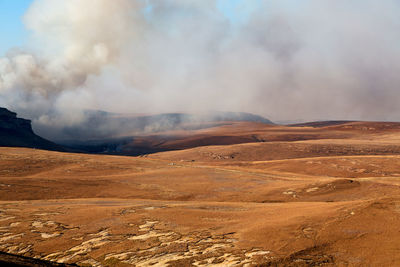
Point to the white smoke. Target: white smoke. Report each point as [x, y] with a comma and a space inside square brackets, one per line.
[286, 60]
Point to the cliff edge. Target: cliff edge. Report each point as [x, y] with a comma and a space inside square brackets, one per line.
[17, 132]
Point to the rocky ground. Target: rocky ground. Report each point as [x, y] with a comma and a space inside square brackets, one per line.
[316, 202]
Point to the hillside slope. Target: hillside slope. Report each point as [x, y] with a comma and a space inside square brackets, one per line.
[299, 196]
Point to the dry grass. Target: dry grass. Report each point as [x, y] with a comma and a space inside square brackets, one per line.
[330, 199]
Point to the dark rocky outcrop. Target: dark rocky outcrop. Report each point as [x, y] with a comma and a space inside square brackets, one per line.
[17, 132]
[12, 260]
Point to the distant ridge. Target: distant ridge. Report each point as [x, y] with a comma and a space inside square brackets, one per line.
[17, 132]
[318, 124]
[99, 124]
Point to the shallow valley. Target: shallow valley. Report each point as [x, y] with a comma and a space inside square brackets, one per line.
[259, 195]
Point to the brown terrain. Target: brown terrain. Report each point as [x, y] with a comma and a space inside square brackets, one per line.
[237, 194]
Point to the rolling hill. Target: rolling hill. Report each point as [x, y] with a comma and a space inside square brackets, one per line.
[296, 196]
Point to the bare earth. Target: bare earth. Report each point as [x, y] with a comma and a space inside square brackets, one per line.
[270, 196]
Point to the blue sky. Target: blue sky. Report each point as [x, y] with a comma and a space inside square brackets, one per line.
[14, 34]
[12, 30]
[237, 11]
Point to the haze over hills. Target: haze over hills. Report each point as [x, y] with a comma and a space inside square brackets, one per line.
[105, 132]
[105, 125]
[140, 135]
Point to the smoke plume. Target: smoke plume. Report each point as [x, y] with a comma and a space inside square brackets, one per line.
[285, 60]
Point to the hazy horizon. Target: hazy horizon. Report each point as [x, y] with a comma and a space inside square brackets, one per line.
[286, 61]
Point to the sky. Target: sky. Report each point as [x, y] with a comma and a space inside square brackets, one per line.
[12, 29]
[14, 34]
[282, 59]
